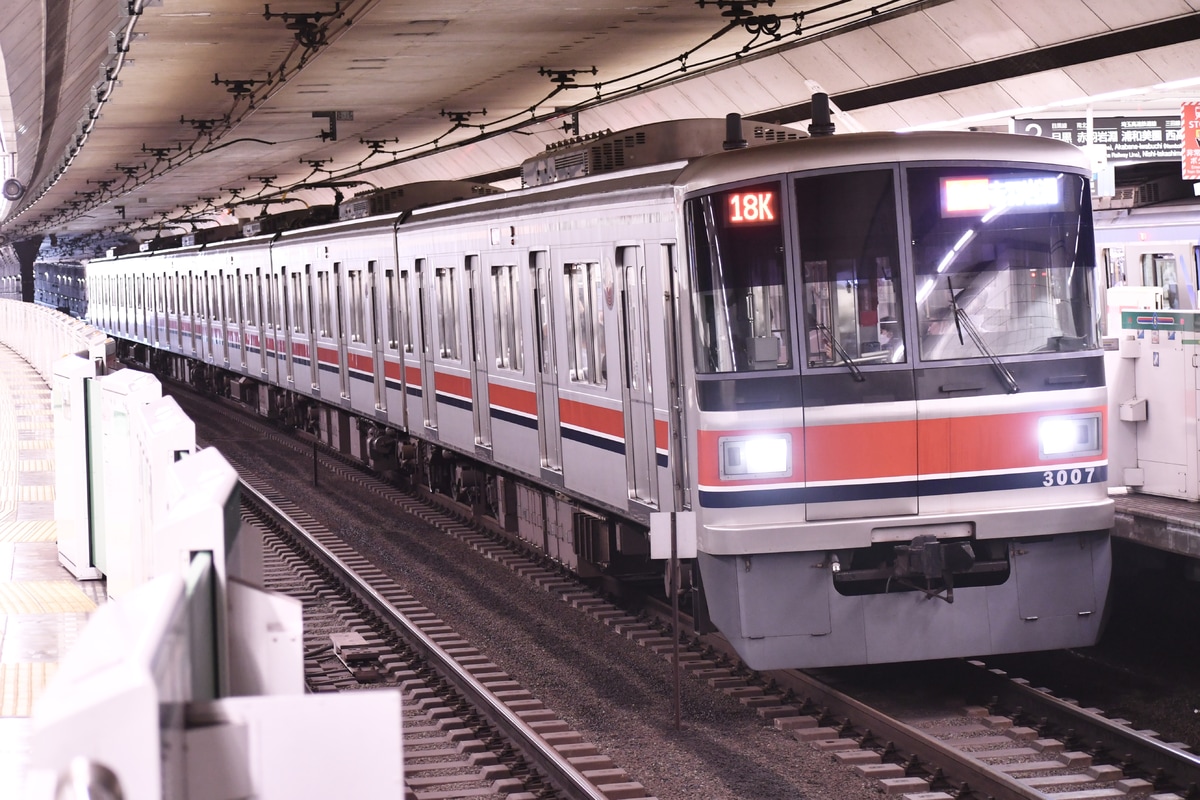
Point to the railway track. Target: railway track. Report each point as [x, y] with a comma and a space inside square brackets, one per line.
[1013, 742]
[1020, 742]
[469, 727]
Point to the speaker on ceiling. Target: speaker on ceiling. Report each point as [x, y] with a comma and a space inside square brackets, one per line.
[13, 189]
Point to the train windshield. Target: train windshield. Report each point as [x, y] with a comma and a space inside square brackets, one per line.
[740, 287]
[1003, 261]
[850, 266]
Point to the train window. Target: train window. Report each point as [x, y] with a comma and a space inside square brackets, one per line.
[391, 313]
[1162, 269]
[1003, 260]
[298, 304]
[355, 288]
[1114, 264]
[233, 299]
[740, 302]
[272, 296]
[251, 307]
[506, 300]
[586, 358]
[286, 307]
[850, 268]
[447, 298]
[405, 313]
[308, 299]
[326, 310]
[373, 302]
[257, 294]
[215, 302]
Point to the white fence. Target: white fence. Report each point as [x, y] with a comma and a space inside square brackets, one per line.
[42, 336]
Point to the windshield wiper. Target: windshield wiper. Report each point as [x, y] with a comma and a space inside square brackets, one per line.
[841, 351]
[962, 320]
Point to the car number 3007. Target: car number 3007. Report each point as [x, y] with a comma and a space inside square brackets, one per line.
[1068, 477]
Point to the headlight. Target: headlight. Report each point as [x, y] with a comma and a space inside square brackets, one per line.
[763, 456]
[1069, 435]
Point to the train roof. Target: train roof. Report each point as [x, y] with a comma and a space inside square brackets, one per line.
[847, 149]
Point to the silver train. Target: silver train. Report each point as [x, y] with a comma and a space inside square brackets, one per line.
[868, 366]
[1154, 247]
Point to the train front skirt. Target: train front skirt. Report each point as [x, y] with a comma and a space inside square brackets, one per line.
[783, 610]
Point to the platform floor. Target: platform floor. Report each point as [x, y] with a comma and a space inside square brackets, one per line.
[1160, 522]
[42, 607]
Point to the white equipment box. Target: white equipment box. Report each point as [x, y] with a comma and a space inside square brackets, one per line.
[1163, 347]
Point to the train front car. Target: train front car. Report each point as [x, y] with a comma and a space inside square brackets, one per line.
[897, 427]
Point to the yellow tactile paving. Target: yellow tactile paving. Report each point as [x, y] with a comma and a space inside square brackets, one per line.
[36, 494]
[43, 597]
[46, 531]
[21, 685]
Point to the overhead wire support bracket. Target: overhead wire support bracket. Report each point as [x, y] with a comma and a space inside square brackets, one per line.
[565, 78]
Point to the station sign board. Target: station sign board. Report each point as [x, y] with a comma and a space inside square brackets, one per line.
[1139, 138]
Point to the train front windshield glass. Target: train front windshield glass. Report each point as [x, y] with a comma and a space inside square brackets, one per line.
[1001, 264]
[850, 268]
[741, 286]
[1003, 261]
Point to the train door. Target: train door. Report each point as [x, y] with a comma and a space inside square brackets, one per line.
[340, 326]
[545, 365]
[677, 423]
[641, 461]
[260, 311]
[275, 328]
[396, 315]
[314, 354]
[425, 330]
[288, 320]
[210, 313]
[376, 340]
[240, 315]
[187, 314]
[156, 339]
[137, 311]
[480, 401]
[226, 316]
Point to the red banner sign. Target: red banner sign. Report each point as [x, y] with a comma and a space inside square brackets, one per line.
[1190, 115]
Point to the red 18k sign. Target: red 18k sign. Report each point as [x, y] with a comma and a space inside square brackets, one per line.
[751, 208]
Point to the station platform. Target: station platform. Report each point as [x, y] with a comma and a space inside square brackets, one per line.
[42, 607]
[1160, 522]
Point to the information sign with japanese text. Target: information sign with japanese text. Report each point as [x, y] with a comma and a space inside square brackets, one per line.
[1125, 138]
